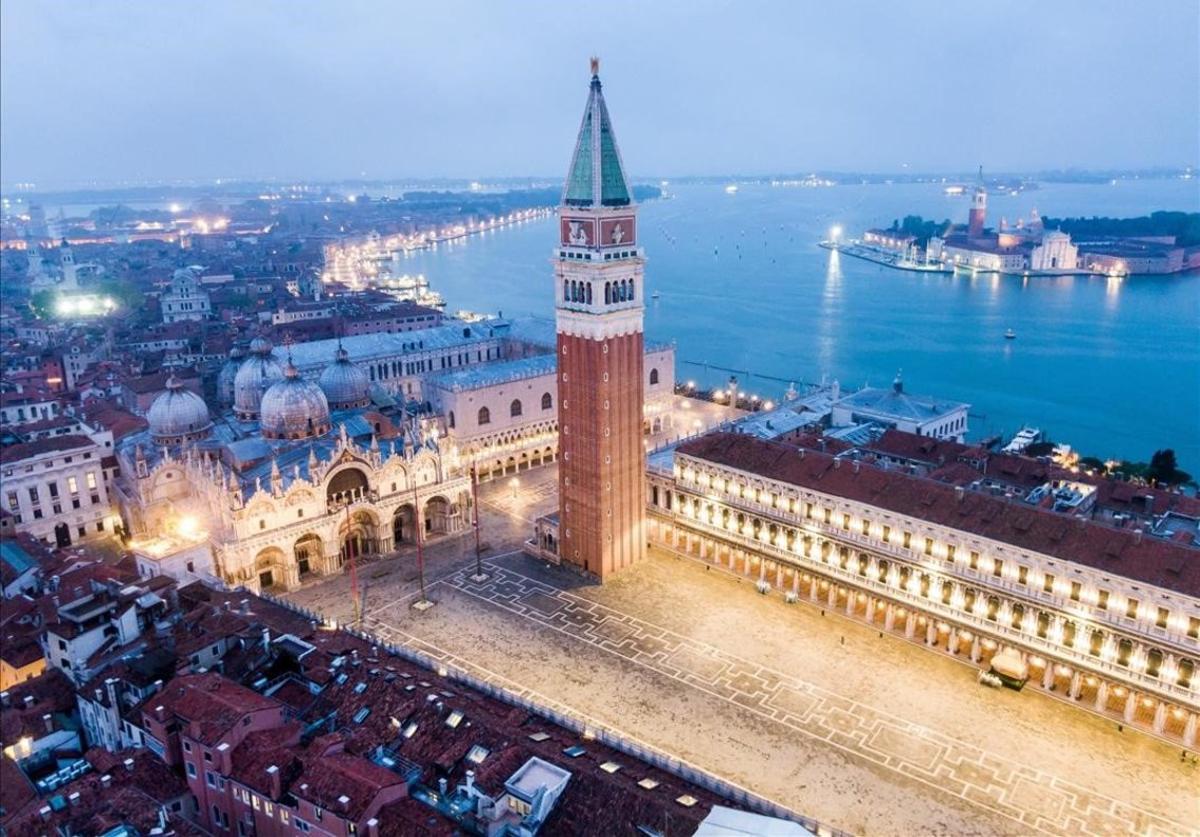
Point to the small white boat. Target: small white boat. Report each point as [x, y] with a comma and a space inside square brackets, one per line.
[731, 189]
[1010, 335]
[655, 295]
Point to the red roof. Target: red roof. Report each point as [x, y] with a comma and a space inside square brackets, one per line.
[16, 453]
[208, 705]
[1115, 551]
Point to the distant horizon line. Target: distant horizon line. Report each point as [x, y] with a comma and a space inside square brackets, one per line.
[33, 189]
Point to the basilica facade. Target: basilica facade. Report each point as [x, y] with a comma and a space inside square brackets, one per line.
[298, 479]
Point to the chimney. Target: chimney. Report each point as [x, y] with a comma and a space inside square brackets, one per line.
[105, 780]
[73, 799]
[48, 720]
[276, 781]
[837, 463]
[29, 701]
[1137, 535]
[99, 694]
[471, 782]
[266, 639]
[244, 605]
[373, 827]
[128, 764]
[44, 812]
[5, 699]
[960, 492]
[856, 466]
[1148, 501]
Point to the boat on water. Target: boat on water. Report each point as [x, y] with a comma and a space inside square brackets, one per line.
[1024, 438]
[731, 189]
[1010, 335]
[655, 295]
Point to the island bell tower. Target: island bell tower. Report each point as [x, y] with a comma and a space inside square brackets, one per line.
[598, 294]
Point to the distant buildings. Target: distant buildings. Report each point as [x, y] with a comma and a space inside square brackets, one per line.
[185, 300]
[893, 407]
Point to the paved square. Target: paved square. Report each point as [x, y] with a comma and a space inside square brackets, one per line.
[868, 734]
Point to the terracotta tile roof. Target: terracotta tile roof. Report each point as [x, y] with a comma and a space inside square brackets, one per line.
[52, 694]
[1115, 551]
[15, 453]
[901, 445]
[208, 705]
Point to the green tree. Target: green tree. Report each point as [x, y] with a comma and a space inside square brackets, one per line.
[1164, 468]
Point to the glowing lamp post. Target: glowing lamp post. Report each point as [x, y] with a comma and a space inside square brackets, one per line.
[835, 233]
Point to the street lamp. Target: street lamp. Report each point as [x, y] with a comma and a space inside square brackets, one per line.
[514, 484]
[835, 232]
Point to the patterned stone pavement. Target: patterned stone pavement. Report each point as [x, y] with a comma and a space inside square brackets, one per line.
[1036, 800]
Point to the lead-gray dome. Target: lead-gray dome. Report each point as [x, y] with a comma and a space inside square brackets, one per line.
[345, 385]
[226, 376]
[294, 408]
[257, 372]
[178, 415]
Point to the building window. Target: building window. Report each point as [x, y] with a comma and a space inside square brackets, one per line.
[485, 416]
[1047, 583]
[191, 770]
[1076, 590]
[653, 377]
[1102, 600]
[1161, 619]
[997, 568]
[908, 540]
[91, 479]
[1131, 609]
[1193, 627]
[1023, 575]
[547, 401]
[929, 546]
[846, 522]
[449, 423]
[514, 409]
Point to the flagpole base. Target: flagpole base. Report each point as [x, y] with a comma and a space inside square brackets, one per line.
[479, 578]
[422, 604]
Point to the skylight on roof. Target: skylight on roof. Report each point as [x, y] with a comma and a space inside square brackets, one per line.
[648, 783]
[539, 736]
[361, 715]
[687, 800]
[574, 752]
[477, 754]
[360, 687]
[409, 730]
[610, 767]
[454, 719]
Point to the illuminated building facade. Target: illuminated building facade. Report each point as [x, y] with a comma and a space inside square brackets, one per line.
[598, 272]
[1106, 617]
[315, 475]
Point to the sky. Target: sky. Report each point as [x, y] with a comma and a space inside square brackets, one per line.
[117, 91]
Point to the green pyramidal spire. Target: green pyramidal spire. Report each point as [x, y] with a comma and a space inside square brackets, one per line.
[596, 177]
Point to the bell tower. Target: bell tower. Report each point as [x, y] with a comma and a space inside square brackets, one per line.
[598, 289]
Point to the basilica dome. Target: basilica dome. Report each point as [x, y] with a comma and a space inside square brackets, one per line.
[257, 372]
[344, 384]
[227, 375]
[178, 415]
[294, 408]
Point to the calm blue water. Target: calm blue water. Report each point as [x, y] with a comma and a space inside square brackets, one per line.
[1109, 366]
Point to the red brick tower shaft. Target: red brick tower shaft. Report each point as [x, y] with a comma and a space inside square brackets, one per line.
[598, 269]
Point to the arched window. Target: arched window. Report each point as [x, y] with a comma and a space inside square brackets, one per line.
[566, 290]
[631, 296]
[485, 415]
[547, 401]
[653, 377]
[621, 291]
[450, 419]
[607, 293]
[514, 409]
[589, 293]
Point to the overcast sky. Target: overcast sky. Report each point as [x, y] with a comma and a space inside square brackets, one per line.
[110, 91]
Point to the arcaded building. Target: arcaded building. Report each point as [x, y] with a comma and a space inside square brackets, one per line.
[300, 477]
[1108, 618]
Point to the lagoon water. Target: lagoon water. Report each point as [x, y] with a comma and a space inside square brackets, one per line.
[1110, 366]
